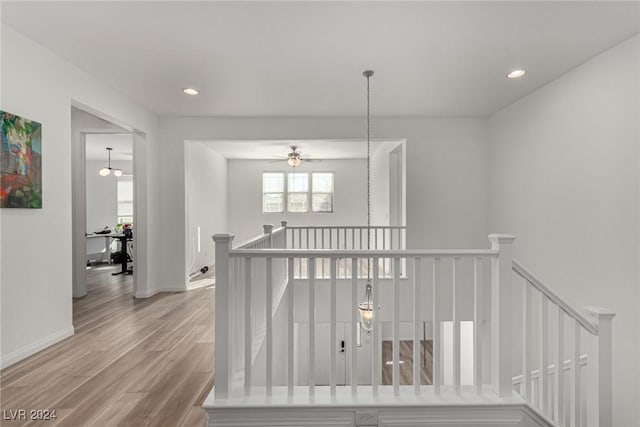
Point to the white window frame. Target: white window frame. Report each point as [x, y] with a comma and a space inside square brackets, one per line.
[124, 219]
[309, 192]
[333, 191]
[284, 191]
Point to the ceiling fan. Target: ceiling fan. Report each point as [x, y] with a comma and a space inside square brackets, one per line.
[294, 158]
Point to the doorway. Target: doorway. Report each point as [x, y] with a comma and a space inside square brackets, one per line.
[104, 203]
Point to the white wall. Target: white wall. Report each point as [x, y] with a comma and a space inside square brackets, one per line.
[245, 196]
[207, 203]
[565, 180]
[447, 178]
[36, 302]
[380, 181]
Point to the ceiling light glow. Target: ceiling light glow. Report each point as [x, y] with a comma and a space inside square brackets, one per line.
[515, 74]
[190, 91]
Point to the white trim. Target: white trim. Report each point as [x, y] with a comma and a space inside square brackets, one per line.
[35, 347]
[146, 294]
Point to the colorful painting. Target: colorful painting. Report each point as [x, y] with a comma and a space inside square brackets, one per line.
[20, 162]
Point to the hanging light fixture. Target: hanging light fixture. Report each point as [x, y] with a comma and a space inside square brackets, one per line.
[107, 169]
[294, 158]
[366, 307]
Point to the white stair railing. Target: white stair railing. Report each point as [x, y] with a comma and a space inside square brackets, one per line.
[437, 285]
[578, 349]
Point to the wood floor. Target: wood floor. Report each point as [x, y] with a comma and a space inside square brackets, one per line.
[131, 362]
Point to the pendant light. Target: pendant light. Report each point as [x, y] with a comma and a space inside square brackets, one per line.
[366, 307]
[107, 169]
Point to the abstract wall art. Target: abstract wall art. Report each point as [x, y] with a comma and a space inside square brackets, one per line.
[20, 162]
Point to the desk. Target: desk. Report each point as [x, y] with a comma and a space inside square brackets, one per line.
[123, 252]
[107, 244]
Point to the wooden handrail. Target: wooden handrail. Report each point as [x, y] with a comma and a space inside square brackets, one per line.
[349, 253]
[260, 238]
[525, 274]
[358, 227]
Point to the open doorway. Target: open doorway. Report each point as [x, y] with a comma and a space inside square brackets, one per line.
[109, 209]
[103, 205]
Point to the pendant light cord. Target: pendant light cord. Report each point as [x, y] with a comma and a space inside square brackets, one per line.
[368, 74]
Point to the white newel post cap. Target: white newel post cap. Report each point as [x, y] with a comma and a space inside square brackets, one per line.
[600, 313]
[283, 224]
[268, 228]
[222, 238]
[501, 238]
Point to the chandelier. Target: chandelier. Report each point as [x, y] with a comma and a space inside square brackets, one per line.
[107, 169]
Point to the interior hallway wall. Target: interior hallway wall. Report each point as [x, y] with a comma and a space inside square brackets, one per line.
[36, 306]
[207, 203]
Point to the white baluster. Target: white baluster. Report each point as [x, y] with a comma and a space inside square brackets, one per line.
[560, 370]
[477, 326]
[437, 370]
[354, 328]
[396, 326]
[544, 403]
[311, 272]
[269, 318]
[575, 377]
[248, 336]
[290, 326]
[334, 350]
[526, 341]
[417, 322]
[375, 339]
[456, 328]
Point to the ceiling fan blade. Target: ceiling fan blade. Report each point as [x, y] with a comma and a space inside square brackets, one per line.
[275, 161]
[311, 160]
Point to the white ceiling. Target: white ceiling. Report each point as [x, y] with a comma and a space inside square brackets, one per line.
[306, 58]
[122, 145]
[309, 149]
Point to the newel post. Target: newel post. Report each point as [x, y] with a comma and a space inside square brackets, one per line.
[601, 358]
[268, 229]
[283, 224]
[501, 317]
[223, 355]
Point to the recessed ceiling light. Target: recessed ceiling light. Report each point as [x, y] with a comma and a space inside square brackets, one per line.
[190, 91]
[515, 74]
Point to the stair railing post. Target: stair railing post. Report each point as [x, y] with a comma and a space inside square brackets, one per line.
[223, 356]
[283, 224]
[601, 358]
[268, 229]
[501, 315]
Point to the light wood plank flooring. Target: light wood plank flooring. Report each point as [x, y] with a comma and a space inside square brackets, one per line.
[131, 362]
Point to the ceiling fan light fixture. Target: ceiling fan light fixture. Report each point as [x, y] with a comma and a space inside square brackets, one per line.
[117, 172]
[105, 171]
[294, 160]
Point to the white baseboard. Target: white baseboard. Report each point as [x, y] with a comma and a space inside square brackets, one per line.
[41, 344]
[146, 294]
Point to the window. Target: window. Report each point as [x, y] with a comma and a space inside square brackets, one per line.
[273, 192]
[322, 192]
[125, 200]
[300, 192]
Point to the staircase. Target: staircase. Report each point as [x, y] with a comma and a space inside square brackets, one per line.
[291, 350]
